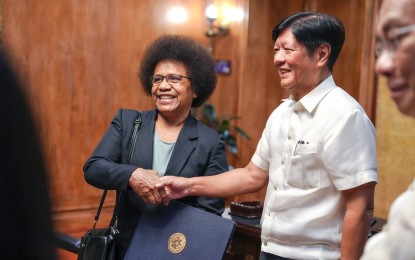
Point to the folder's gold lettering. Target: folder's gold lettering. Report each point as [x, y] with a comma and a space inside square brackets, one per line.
[176, 243]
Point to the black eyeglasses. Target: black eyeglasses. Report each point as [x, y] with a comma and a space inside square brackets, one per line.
[392, 43]
[172, 79]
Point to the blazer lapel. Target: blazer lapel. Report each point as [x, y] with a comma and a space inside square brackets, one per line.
[143, 155]
[184, 147]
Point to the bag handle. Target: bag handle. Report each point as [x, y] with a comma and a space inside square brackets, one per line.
[137, 125]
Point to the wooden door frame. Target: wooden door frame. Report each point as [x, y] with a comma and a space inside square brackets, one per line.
[368, 78]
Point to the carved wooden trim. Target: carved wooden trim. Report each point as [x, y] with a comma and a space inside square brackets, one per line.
[368, 78]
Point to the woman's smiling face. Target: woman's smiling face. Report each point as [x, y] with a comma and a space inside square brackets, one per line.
[173, 99]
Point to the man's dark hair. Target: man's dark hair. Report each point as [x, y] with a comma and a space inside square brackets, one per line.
[313, 29]
[197, 59]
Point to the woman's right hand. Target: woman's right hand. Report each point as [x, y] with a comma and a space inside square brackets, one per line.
[143, 182]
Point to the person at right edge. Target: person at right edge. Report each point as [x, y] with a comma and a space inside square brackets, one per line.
[317, 154]
[395, 52]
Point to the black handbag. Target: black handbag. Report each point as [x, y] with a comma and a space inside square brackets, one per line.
[99, 243]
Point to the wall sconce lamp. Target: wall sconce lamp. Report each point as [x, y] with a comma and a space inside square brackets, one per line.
[213, 31]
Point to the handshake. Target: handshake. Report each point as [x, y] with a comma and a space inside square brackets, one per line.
[173, 187]
[153, 189]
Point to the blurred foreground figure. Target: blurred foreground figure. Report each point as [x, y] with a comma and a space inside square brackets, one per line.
[395, 52]
[25, 208]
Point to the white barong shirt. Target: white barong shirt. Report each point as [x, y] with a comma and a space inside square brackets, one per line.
[313, 149]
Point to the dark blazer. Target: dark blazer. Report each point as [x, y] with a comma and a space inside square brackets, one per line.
[199, 151]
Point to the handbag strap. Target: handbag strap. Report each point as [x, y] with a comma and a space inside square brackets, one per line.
[137, 125]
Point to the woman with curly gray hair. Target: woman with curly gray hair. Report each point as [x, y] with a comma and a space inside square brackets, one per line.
[179, 74]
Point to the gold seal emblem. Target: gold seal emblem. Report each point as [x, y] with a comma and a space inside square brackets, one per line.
[176, 243]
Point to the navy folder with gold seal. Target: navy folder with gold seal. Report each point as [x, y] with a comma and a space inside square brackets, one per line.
[179, 231]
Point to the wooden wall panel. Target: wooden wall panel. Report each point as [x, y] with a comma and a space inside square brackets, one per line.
[354, 69]
[231, 47]
[79, 62]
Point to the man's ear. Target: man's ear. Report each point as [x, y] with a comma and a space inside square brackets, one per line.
[323, 53]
